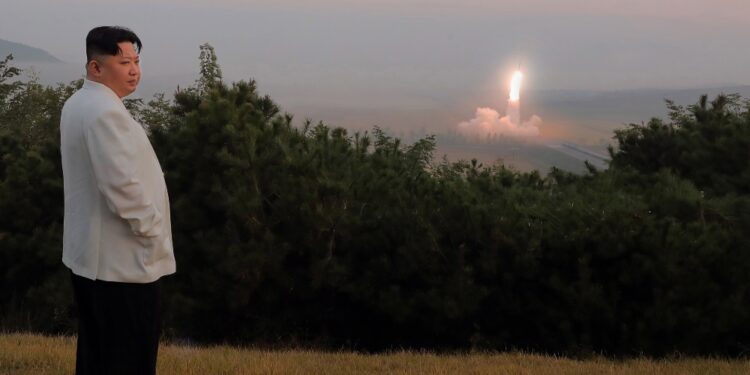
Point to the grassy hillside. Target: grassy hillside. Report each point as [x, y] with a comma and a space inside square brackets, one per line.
[33, 354]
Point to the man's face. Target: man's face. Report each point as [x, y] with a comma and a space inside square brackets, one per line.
[121, 72]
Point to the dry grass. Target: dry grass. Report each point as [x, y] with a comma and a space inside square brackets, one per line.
[39, 355]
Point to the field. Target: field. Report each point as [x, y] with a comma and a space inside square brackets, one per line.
[39, 355]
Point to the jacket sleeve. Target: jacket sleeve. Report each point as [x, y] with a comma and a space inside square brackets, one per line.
[113, 150]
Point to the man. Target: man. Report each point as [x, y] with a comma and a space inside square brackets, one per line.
[117, 237]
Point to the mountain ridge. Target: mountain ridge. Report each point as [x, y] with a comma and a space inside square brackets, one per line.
[25, 53]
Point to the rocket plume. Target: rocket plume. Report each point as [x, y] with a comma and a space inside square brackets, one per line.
[488, 124]
[513, 111]
[515, 86]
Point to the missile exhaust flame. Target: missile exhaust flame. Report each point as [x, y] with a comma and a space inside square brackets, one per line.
[515, 86]
[487, 125]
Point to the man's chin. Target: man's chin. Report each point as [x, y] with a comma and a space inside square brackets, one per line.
[129, 91]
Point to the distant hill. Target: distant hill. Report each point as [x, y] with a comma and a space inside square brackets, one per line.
[588, 116]
[625, 105]
[24, 53]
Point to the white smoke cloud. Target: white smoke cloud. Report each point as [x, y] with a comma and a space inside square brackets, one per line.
[487, 125]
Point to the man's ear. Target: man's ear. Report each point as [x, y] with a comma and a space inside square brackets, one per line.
[94, 67]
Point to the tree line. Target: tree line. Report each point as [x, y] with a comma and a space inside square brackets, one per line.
[307, 235]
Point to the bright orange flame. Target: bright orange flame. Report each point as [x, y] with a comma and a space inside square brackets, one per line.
[515, 86]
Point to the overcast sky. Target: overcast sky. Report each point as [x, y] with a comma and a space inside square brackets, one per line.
[367, 51]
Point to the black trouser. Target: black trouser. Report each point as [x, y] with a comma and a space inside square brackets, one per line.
[118, 327]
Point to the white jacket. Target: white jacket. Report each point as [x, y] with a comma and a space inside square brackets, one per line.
[117, 225]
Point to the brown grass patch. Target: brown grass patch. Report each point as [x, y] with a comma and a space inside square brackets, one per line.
[24, 354]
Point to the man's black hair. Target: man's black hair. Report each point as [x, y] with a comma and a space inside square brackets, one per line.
[103, 40]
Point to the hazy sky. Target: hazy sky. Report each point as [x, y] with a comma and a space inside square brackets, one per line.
[364, 52]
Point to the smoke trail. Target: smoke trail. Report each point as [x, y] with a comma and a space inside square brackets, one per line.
[488, 125]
